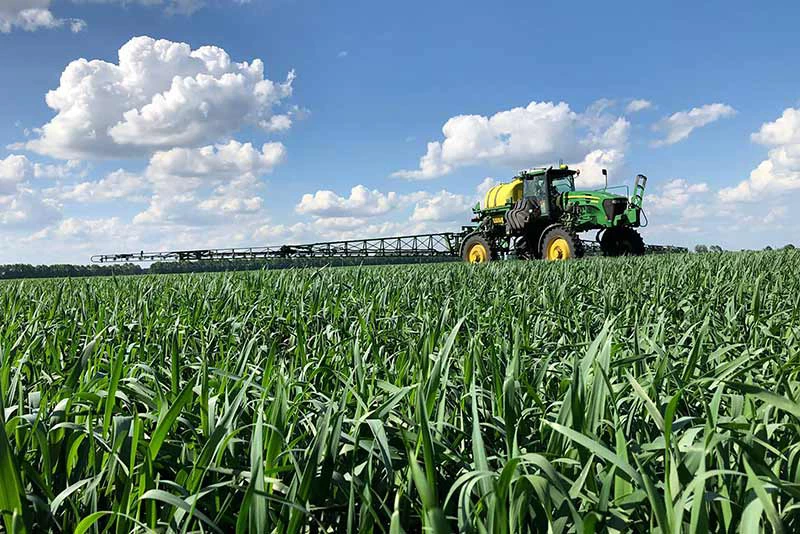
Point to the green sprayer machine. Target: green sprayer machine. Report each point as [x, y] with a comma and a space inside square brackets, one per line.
[538, 214]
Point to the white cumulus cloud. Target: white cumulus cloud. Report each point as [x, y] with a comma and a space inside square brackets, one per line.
[82, 229]
[443, 206]
[172, 7]
[538, 134]
[592, 166]
[220, 162]
[160, 95]
[25, 209]
[676, 193]
[678, 126]
[215, 184]
[362, 202]
[785, 130]
[117, 185]
[211, 185]
[780, 172]
[32, 15]
[16, 169]
[365, 211]
[227, 205]
[414, 212]
[638, 104]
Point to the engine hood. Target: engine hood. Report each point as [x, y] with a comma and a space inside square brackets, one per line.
[597, 196]
[600, 208]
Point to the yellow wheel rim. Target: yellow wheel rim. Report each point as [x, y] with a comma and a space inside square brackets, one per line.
[558, 249]
[478, 253]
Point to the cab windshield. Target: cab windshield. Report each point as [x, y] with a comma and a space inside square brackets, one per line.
[564, 184]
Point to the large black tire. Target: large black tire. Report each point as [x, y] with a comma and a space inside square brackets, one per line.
[476, 249]
[518, 218]
[559, 243]
[621, 241]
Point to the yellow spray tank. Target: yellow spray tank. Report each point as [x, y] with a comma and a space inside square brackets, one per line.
[499, 195]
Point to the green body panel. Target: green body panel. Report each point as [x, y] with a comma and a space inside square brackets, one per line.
[592, 214]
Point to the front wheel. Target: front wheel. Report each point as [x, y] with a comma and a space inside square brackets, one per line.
[476, 249]
[621, 241]
[561, 244]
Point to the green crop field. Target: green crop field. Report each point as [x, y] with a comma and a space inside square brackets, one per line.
[649, 394]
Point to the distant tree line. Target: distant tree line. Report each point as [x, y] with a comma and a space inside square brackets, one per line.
[23, 270]
[700, 249]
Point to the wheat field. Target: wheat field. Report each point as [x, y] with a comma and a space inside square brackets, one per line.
[602, 395]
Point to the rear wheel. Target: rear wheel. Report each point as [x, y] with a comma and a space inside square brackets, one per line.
[561, 244]
[476, 249]
[621, 241]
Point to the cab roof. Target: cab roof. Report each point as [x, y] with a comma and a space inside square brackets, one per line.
[563, 170]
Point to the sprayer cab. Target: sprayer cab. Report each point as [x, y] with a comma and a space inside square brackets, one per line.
[539, 203]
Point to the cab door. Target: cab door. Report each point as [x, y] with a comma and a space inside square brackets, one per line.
[536, 188]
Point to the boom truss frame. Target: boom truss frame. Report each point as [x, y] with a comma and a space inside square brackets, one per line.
[447, 244]
[442, 245]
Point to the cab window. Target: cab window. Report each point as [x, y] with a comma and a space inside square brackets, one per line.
[564, 184]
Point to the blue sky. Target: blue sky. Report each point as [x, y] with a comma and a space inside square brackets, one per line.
[198, 147]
